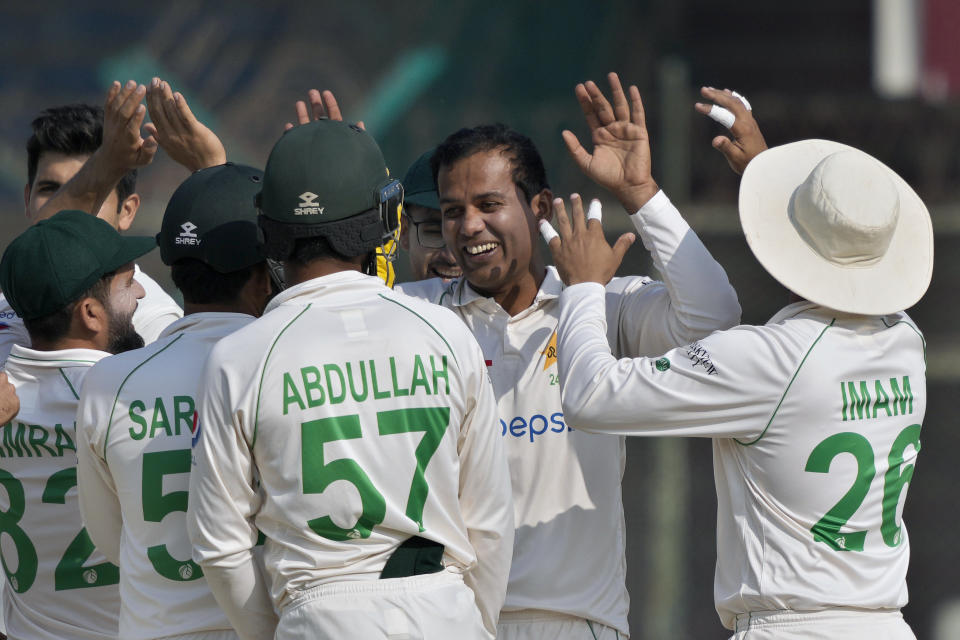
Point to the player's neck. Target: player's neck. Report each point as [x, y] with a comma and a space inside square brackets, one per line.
[67, 342]
[189, 308]
[519, 294]
[297, 272]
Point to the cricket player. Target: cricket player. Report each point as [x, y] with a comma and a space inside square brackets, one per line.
[84, 139]
[354, 426]
[421, 233]
[815, 416]
[138, 410]
[567, 579]
[71, 279]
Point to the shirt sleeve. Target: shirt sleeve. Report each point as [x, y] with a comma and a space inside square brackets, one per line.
[726, 385]
[96, 491]
[220, 514]
[695, 297]
[486, 499]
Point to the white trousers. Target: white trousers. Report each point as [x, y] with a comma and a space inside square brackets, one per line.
[436, 606]
[547, 625]
[849, 624]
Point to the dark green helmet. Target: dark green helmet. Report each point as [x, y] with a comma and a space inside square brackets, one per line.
[328, 179]
[211, 217]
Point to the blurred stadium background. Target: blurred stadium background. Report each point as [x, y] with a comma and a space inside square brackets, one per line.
[883, 75]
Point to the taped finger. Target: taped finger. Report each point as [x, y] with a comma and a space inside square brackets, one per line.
[547, 231]
[722, 115]
[595, 211]
[745, 102]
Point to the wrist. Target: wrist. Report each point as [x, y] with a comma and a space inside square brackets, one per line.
[105, 172]
[634, 198]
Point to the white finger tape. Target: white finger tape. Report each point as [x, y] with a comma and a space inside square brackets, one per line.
[595, 211]
[721, 115]
[745, 102]
[547, 231]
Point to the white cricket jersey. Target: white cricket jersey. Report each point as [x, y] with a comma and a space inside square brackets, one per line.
[135, 424]
[368, 418]
[154, 312]
[569, 549]
[816, 423]
[58, 585]
[430, 289]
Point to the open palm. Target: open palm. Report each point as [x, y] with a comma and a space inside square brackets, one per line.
[620, 160]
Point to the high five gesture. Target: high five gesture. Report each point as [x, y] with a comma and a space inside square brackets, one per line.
[620, 160]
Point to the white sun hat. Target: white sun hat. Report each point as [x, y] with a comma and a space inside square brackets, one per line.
[837, 227]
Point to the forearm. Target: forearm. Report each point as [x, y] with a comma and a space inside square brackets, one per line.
[669, 395]
[241, 591]
[99, 504]
[702, 299]
[87, 190]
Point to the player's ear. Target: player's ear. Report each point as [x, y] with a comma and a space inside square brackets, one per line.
[128, 211]
[259, 289]
[542, 205]
[90, 317]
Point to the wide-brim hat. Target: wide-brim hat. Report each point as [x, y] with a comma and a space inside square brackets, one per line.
[837, 226]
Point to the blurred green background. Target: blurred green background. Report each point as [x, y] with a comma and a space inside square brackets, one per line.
[882, 75]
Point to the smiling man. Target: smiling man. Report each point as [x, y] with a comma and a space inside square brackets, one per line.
[567, 579]
[421, 234]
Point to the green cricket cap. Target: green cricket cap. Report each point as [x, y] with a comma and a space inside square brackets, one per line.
[418, 185]
[211, 217]
[322, 172]
[57, 260]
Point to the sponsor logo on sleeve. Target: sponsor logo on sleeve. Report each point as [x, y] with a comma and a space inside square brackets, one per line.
[700, 357]
[662, 364]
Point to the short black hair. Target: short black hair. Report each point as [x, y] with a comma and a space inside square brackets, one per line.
[56, 325]
[73, 130]
[528, 172]
[202, 284]
[306, 250]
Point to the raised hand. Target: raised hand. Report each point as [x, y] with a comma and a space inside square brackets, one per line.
[747, 140]
[323, 105]
[620, 160]
[185, 139]
[123, 148]
[580, 250]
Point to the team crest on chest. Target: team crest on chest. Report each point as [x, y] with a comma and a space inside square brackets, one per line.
[550, 353]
